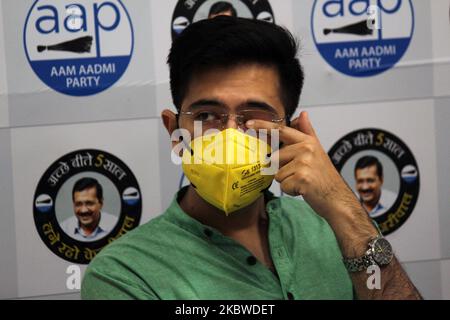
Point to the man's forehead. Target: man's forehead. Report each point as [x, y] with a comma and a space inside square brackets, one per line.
[92, 191]
[255, 85]
[369, 170]
[229, 70]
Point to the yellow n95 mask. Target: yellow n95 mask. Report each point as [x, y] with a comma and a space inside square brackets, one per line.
[226, 168]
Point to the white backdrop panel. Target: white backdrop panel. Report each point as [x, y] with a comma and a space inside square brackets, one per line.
[8, 261]
[34, 102]
[427, 278]
[418, 238]
[443, 167]
[445, 271]
[4, 114]
[441, 46]
[409, 78]
[40, 271]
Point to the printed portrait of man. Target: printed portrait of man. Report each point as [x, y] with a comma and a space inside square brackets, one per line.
[89, 222]
[369, 185]
[222, 8]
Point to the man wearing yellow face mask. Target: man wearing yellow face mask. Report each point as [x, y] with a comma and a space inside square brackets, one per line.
[225, 236]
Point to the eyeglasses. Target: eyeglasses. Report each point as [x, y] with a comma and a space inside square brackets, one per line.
[217, 119]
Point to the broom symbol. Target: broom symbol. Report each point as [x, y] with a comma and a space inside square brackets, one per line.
[359, 28]
[79, 45]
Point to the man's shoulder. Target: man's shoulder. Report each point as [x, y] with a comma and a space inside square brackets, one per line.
[139, 259]
[125, 256]
[146, 242]
[115, 273]
[147, 233]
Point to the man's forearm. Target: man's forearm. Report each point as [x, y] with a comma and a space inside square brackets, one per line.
[354, 229]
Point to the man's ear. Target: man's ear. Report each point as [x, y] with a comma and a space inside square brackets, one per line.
[170, 121]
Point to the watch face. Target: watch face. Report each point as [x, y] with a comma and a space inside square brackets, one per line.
[382, 252]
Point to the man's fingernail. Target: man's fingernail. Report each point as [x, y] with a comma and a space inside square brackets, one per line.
[250, 123]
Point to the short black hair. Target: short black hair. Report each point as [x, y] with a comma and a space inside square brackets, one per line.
[87, 183]
[229, 41]
[222, 6]
[368, 161]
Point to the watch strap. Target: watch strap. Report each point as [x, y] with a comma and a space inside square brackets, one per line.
[359, 264]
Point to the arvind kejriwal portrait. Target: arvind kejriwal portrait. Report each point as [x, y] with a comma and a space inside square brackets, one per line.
[369, 186]
[89, 221]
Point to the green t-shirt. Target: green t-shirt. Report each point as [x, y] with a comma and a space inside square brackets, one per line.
[176, 257]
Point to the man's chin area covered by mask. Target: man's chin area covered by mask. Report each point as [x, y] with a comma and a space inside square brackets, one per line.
[227, 169]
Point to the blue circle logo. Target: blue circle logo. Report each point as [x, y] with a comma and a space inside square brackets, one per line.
[362, 38]
[81, 48]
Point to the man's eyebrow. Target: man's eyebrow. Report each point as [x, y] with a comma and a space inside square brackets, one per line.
[206, 103]
[258, 105]
[252, 104]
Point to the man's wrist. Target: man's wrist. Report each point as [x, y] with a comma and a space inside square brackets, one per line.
[379, 253]
[353, 229]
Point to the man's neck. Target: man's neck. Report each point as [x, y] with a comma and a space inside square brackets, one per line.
[238, 222]
[88, 230]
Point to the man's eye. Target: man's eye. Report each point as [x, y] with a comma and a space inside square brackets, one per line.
[206, 116]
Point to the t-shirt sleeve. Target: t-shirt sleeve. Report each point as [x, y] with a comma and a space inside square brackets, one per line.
[107, 279]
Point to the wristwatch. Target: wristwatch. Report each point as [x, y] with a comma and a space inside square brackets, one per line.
[379, 253]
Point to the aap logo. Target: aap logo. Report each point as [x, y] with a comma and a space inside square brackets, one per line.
[362, 38]
[78, 48]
